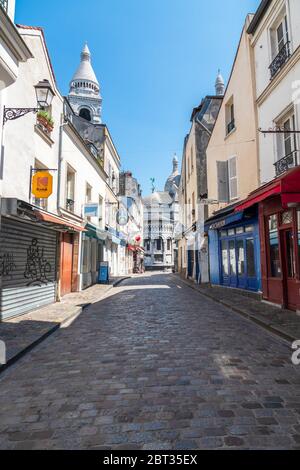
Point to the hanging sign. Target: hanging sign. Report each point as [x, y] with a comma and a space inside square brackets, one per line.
[42, 184]
[91, 210]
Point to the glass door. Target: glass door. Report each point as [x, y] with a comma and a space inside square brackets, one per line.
[241, 263]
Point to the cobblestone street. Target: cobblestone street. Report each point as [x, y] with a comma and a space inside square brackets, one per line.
[154, 365]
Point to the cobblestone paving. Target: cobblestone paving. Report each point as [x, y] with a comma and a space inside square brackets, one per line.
[154, 365]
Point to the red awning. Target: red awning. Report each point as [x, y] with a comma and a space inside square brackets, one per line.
[287, 185]
[53, 219]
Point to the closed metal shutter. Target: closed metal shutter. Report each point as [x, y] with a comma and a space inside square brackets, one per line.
[27, 266]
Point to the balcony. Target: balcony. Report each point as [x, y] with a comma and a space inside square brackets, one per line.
[4, 4]
[70, 205]
[286, 163]
[230, 126]
[281, 58]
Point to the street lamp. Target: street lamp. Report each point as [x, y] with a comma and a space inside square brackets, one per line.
[44, 98]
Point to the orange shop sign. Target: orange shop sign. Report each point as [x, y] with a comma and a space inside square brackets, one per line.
[42, 184]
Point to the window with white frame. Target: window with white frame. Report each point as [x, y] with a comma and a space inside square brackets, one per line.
[70, 189]
[232, 178]
[280, 43]
[286, 140]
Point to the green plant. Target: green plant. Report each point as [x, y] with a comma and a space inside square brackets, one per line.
[46, 116]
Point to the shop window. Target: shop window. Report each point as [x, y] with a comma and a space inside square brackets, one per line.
[241, 257]
[289, 240]
[287, 217]
[275, 266]
[86, 256]
[232, 258]
[239, 230]
[249, 229]
[225, 259]
[231, 232]
[250, 253]
[223, 233]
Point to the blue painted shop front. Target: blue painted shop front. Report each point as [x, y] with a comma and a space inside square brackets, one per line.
[234, 250]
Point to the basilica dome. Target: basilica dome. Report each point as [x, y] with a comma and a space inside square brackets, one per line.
[172, 183]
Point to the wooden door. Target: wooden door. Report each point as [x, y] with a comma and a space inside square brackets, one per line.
[289, 268]
[66, 264]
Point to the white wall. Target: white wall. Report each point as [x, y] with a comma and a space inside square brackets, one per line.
[22, 145]
[86, 172]
[275, 96]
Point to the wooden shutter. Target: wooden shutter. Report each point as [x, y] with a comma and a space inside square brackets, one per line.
[223, 184]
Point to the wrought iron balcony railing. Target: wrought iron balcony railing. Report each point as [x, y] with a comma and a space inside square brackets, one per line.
[286, 163]
[230, 126]
[4, 4]
[70, 205]
[281, 58]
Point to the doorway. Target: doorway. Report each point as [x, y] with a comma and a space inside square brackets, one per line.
[288, 257]
[66, 264]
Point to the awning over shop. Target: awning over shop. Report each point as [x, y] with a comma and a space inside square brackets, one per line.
[115, 240]
[95, 232]
[53, 219]
[287, 186]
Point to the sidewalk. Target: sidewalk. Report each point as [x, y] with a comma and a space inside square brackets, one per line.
[283, 323]
[23, 333]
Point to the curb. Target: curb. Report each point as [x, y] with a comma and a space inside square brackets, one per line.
[257, 321]
[52, 330]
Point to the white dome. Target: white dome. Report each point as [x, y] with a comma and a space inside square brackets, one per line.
[85, 70]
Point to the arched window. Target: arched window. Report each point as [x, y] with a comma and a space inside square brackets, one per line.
[85, 114]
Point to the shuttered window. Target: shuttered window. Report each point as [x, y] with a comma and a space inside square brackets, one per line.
[223, 184]
[232, 176]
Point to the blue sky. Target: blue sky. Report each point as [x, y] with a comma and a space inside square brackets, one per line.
[155, 60]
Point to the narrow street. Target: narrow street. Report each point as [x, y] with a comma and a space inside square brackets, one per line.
[154, 365]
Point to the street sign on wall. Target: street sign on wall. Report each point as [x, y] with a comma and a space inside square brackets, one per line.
[42, 184]
[91, 210]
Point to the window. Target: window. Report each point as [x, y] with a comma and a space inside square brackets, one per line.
[224, 258]
[275, 266]
[241, 257]
[70, 190]
[192, 159]
[280, 45]
[88, 193]
[282, 35]
[250, 253]
[169, 244]
[232, 173]
[230, 116]
[159, 244]
[3, 4]
[100, 214]
[85, 114]
[193, 207]
[232, 258]
[287, 217]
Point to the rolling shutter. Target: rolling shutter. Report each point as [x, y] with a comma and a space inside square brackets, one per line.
[28, 267]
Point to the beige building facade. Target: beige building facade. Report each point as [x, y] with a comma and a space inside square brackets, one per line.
[232, 153]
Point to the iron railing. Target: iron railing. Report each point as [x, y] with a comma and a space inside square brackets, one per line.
[286, 163]
[70, 205]
[281, 58]
[4, 4]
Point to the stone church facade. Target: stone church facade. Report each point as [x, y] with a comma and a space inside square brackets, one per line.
[160, 225]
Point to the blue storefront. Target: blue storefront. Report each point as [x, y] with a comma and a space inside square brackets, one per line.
[234, 249]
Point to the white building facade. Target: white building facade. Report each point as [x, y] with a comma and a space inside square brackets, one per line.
[161, 213]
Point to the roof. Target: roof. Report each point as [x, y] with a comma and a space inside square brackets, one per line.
[264, 5]
[158, 197]
[85, 70]
[38, 28]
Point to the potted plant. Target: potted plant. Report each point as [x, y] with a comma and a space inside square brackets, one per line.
[45, 120]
